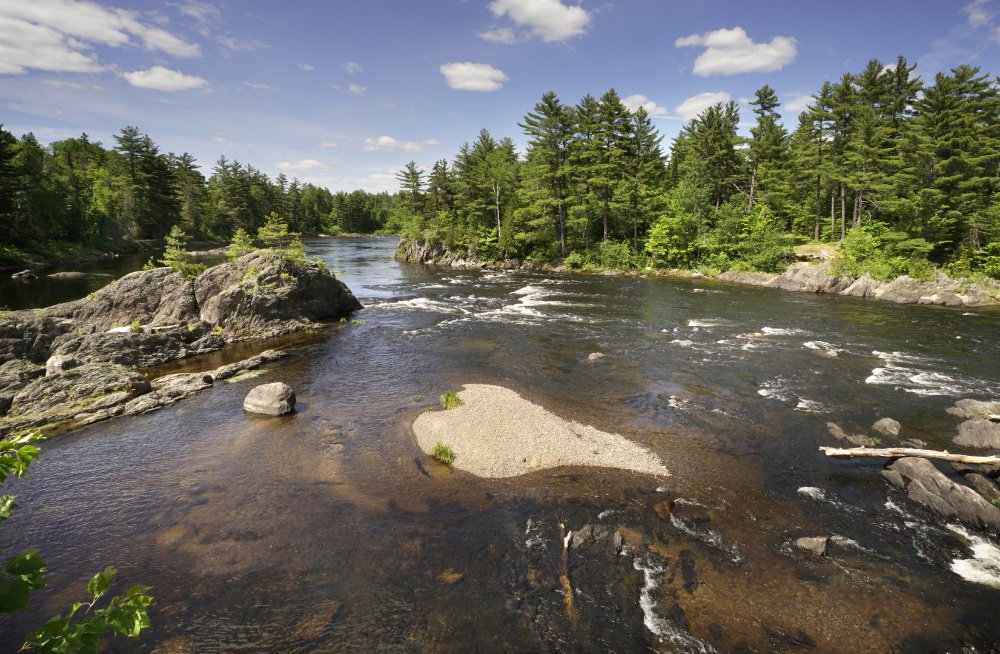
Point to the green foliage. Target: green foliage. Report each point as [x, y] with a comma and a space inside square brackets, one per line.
[443, 453]
[450, 400]
[135, 326]
[25, 572]
[126, 615]
[274, 234]
[149, 265]
[574, 261]
[883, 254]
[242, 243]
[176, 256]
[987, 260]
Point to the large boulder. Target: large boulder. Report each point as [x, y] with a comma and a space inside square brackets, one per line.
[979, 432]
[264, 294]
[927, 485]
[133, 349]
[863, 286]
[150, 297]
[274, 399]
[810, 279]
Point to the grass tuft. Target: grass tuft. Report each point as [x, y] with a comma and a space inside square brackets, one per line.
[443, 453]
[450, 400]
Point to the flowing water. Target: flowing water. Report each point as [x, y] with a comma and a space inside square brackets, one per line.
[329, 530]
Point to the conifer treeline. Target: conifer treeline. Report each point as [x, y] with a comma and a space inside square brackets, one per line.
[907, 172]
[78, 191]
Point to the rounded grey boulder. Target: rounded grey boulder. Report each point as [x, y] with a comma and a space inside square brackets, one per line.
[275, 399]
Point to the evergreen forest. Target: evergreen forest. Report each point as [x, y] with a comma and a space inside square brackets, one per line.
[900, 174]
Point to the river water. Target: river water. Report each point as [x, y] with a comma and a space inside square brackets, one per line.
[330, 531]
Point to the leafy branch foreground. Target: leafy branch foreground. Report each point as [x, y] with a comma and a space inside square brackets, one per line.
[81, 629]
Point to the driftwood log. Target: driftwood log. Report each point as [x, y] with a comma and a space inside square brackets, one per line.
[895, 452]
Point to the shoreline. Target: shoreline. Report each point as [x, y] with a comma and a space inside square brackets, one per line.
[814, 278]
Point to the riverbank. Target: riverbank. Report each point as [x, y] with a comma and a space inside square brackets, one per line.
[805, 277]
[55, 254]
[76, 361]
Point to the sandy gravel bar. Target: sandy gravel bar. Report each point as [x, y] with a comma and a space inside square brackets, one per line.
[498, 433]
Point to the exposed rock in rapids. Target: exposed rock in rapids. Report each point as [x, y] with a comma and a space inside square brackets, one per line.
[887, 427]
[814, 544]
[975, 408]
[927, 485]
[979, 432]
[274, 399]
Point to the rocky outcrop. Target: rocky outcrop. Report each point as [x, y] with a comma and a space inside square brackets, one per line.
[264, 294]
[927, 485]
[275, 399]
[436, 253]
[979, 432]
[810, 279]
[147, 318]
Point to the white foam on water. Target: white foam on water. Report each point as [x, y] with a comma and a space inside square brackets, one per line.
[821, 346]
[660, 627]
[704, 323]
[983, 567]
[811, 406]
[707, 536]
[776, 389]
[907, 372]
[815, 493]
[781, 331]
[418, 304]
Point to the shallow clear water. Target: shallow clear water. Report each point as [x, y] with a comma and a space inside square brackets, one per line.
[330, 531]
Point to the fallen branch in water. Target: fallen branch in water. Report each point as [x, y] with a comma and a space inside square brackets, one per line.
[571, 613]
[895, 452]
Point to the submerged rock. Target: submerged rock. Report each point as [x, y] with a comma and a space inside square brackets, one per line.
[815, 544]
[274, 399]
[927, 485]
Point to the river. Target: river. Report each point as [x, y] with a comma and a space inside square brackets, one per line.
[330, 531]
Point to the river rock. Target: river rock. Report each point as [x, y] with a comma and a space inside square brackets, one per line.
[61, 397]
[128, 348]
[814, 544]
[150, 297]
[26, 275]
[274, 399]
[979, 432]
[927, 485]
[810, 279]
[945, 298]
[254, 362]
[863, 286]
[887, 427]
[263, 294]
[856, 440]
[753, 278]
[70, 274]
[979, 482]
[975, 408]
[60, 363]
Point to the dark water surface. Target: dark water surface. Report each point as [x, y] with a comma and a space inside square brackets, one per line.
[330, 531]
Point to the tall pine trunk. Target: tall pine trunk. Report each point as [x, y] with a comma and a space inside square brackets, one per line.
[843, 211]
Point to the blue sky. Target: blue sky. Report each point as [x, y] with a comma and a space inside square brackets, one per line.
[343, 94]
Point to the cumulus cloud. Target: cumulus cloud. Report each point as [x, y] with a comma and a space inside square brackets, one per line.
[389, 144]
[305, 67]
[696, 104]
[732, 51]
[352, 68]
[468, 76]
[504, 35]
[303, 165]
[59, 35]
[231, 44]
[159, 78]
[633, 102]
[977, 13]
[549, 20]
[357, 89]
[797, 102]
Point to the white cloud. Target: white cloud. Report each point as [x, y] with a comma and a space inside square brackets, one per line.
[202, 12]
[159, 78]
[306, 67]
[549, 20]
[256, 86]
[231, 44]
[797, 102]
[731, 51]
[357, 89]
[329, 145]
[59, 35]
[303, 165]
[389, 144]
[633, 102]
[696, 104]
[468, 76]
[352, 68]
[503, 35]
[978, 14]
[66, 85]
[218, 137]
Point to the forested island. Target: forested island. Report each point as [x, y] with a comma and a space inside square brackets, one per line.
[900, 175]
